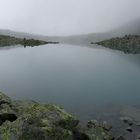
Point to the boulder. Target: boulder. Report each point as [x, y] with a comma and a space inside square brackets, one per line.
[98, 131]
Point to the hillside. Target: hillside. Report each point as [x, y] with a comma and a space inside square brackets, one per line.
[132, 28]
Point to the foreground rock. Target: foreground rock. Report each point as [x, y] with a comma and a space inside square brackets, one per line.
[29, 120]
[127, 44]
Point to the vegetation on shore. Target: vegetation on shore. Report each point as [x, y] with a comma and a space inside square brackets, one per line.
[9, 41]
[128, 44]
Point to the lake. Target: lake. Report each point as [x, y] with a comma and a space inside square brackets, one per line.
[79, 78]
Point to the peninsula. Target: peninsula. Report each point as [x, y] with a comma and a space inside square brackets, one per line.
[10, 40]
[128, 44]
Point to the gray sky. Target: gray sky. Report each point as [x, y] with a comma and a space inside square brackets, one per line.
[66, 17]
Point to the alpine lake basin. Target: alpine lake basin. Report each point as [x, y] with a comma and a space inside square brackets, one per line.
[88, 81]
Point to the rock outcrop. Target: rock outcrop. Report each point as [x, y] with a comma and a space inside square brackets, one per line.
[29, 120]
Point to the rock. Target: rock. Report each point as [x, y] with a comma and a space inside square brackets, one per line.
[106, 126]
[40, 122]
[138, 124]
[120, 138]
[96, 131]
[29, 120]
[95, 123]
[127, 120]
[129, 129]
[6, 111]
[138, 137]
[4, 99]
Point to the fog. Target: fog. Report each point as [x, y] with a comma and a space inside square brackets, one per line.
[66, 17]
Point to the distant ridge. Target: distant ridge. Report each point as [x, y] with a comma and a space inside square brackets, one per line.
[132, 28]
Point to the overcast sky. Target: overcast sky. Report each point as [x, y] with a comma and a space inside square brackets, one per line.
[66, 17]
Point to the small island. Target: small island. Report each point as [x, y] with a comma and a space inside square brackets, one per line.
[128, 44]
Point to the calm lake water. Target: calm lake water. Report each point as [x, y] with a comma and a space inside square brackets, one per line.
[78, 78]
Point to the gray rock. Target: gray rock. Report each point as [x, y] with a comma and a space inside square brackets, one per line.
[120, 138]
[127, 120]
[29, 120]
[138, 137]
[106, 126]
[138, 124]
[96, 131]
[93, 123]
[4, 99]
[129, 129]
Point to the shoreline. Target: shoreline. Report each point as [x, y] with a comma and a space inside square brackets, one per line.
[128, 44]
[50, 119]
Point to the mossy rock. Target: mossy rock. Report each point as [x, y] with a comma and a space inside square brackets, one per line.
[34, 121]
[37, 121]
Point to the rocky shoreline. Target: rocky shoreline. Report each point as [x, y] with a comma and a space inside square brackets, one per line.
[29, 120]
[128, 44]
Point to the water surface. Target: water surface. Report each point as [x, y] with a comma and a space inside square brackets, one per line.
[78, 78]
